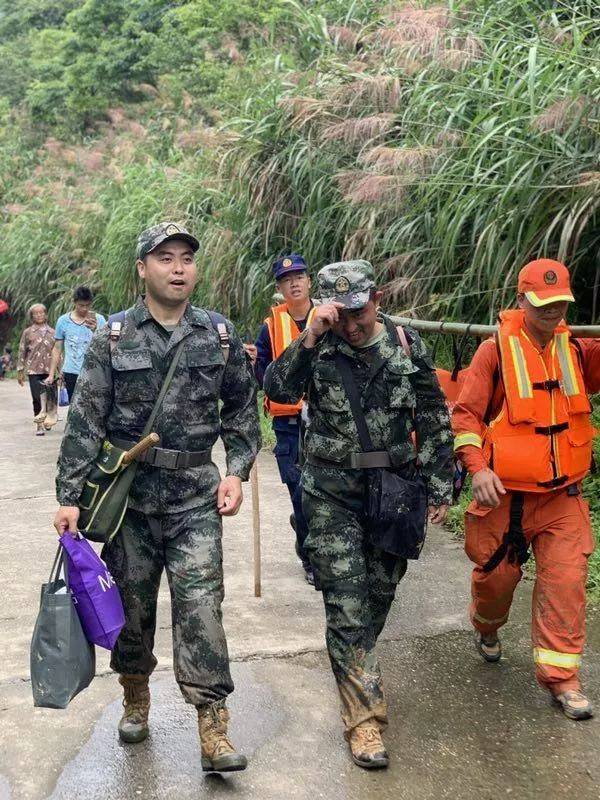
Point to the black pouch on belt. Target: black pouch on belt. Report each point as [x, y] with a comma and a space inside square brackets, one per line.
[396, 503]
[397, 512]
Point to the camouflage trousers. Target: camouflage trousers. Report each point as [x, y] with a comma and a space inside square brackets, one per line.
[188, 546]
[358, 583]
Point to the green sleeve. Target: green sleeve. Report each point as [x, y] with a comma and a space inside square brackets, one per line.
[432, 426]
[240, 427]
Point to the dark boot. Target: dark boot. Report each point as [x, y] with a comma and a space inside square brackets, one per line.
[133, 726]
[488, 647]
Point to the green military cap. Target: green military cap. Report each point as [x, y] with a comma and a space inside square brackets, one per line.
[347, 282]
[149, 239]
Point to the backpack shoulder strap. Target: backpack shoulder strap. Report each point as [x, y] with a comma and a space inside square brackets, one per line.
[342, 362]
[403, 339]
[218, 322]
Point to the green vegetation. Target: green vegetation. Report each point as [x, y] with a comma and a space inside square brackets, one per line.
[447, 142]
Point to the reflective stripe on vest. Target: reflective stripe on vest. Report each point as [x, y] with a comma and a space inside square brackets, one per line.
[282, 332]
[567, 367]
[520, 367]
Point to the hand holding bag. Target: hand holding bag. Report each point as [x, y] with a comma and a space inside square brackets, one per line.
[62, 662]
[63, 396]
[97, 599]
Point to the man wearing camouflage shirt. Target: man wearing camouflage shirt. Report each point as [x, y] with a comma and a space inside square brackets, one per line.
[177, 498]
[398, 394]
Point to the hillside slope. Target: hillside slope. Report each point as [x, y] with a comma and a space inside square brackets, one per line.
[447, 143]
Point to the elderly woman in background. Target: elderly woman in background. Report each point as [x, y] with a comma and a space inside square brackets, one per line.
[35, 350]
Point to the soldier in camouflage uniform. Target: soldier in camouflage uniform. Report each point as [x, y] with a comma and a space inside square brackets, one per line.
[178, 498]
[398, 395]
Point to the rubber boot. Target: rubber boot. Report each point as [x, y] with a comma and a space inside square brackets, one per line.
[218, 754]
[367, 747]
[133, 726]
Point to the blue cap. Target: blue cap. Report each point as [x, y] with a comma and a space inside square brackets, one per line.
[286, 264]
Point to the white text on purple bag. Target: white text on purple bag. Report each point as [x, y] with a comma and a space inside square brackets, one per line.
[107, 582]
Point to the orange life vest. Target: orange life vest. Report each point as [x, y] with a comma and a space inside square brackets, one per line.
[542, 437]
[451, 385]
[282, 332]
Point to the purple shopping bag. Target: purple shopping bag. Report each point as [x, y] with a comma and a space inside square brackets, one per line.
[94, 591]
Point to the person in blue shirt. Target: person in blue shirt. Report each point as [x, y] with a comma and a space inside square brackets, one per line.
[72, 336]
[283, 325]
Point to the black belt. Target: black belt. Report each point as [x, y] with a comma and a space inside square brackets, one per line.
[167, 459]
[371, 460]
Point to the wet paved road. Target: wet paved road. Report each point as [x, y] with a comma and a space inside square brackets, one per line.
[458, 728]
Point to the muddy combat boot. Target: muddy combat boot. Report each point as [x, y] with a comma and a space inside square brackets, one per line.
[367, 747]
[133, 726]
[218, 754]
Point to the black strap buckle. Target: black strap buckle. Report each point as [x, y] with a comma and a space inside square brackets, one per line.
[550, 430]
[371, 460]
[554, 482]
[165, 458]
[549, 386]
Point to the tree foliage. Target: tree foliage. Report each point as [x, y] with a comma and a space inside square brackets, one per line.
[447, 142]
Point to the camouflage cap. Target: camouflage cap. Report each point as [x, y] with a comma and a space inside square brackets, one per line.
[347, 282]
[149, 239]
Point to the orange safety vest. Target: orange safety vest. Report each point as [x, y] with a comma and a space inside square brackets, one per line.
[282, 332]
[542, 437]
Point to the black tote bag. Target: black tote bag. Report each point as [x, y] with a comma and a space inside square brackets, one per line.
[62, 661]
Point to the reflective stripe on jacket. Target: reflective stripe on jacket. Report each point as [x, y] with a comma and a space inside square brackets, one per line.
[282, 332]
[542, 437]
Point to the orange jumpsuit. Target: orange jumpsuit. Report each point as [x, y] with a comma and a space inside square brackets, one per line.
[556, 523]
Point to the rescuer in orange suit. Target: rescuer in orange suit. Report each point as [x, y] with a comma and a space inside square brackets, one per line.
[523, 429]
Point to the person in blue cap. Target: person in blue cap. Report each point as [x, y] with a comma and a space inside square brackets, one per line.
[283, 325]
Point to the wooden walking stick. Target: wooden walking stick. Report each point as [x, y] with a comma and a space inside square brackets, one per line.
[256, 528]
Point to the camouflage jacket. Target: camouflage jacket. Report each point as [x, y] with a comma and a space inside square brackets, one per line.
[116, 391]
[399, 395]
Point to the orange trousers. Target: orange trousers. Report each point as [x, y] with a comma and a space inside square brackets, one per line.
[557, 525]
